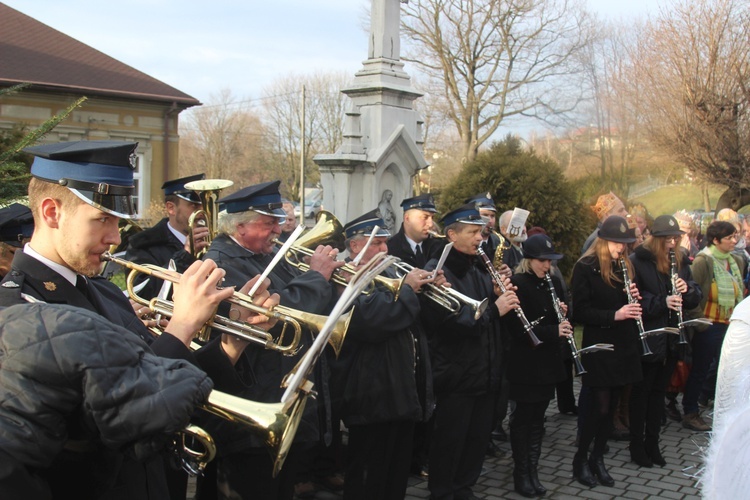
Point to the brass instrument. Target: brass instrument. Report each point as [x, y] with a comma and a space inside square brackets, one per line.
[446, 297]
[642, 333]
[505, 244]
[276, 423]
[680, 323]
[329, 231]
[289, 317]
[208, 216]
[296, 383]
[498, 280]
[580, 370]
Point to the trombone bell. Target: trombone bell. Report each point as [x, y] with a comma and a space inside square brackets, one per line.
[276, 422]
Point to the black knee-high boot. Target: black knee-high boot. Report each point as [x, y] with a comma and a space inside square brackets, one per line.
[536, 433]
[519, 443]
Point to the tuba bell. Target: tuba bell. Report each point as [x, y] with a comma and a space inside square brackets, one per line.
[208, 216]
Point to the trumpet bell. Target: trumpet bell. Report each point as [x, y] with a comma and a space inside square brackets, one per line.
[277, 423]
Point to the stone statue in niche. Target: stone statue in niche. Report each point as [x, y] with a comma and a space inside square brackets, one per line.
[386, 211]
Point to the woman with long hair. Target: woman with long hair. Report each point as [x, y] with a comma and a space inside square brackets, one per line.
[660, 302]
[605, 310]
[719, 274]
[533, 372]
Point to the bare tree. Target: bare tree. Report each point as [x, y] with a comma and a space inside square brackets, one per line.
[495, 59]
[225, 140]
[324, 119]
[695, 64]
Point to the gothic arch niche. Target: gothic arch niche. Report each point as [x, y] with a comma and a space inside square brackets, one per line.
[391, 180]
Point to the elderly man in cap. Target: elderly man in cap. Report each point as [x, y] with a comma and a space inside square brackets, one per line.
[466, 357]
[16, 227]
[168, 239]
[381, 380]
[249, 225]
[77, 194]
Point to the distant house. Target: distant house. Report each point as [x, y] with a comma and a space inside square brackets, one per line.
[123, 103]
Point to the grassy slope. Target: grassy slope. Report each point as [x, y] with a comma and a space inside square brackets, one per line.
[670, 199]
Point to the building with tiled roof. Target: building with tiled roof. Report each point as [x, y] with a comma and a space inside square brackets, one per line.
[122, 102]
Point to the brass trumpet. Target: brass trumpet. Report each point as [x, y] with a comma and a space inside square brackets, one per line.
[446, 297]
[289, 317]
[208, 216]
[329, 231]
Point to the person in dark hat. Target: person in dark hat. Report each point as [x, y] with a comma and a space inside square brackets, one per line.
[415, 244]
[605, 310]
[249, 225]
[382, 377]
[495, 244]
[16, 227]
[77, 195]
[533, 372]
[466, 357]
[486, 206]
[168, 239]
[660, 301]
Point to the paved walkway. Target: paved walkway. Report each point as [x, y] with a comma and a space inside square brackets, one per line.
[680, 447]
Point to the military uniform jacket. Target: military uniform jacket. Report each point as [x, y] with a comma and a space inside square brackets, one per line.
[383, 371]
[595, 307]
[654, 288]
[399, 247]
[262, 370]
[466, 354]
[157, 245]
[533, 372]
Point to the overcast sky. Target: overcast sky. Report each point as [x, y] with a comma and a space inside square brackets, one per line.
[201, 47]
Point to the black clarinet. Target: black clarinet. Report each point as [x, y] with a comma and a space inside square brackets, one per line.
[633, 300]
[580, 370]
[674, 277]
[499, 282]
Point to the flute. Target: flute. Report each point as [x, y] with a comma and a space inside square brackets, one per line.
[499, 282]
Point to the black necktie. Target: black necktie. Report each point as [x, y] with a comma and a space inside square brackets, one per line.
[419, 256]
[82, 285]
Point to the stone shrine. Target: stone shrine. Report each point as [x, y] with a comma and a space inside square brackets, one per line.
[383, 138]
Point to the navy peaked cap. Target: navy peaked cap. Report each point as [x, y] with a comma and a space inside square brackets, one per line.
[483, 200]
[263, 198]
[99, 172]
[16, 224]
[365, 224]
[467, 214]
[422, 202]
[177, 188]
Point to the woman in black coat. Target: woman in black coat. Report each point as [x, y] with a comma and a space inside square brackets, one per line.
[659, 302]
[533, 372]
[602, 307]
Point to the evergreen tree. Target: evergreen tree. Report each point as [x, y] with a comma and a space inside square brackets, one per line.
[14, 164]
[520, 178]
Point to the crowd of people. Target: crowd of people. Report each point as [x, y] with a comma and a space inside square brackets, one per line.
[432, 360]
